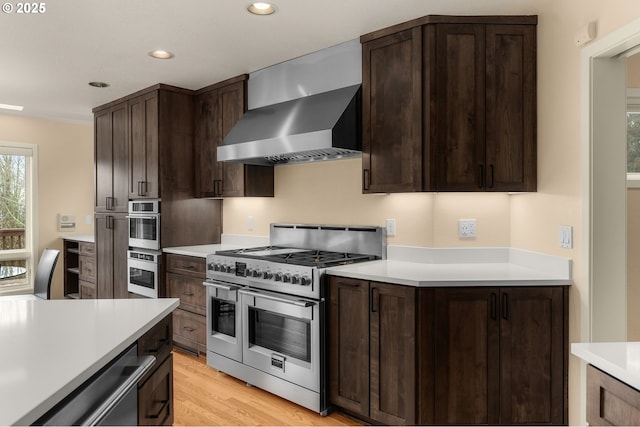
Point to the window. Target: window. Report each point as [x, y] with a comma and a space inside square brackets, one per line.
[17, 230]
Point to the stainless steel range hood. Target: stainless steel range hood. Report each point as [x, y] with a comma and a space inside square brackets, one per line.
[306, 109]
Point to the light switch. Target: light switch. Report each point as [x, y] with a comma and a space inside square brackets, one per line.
[566, 236]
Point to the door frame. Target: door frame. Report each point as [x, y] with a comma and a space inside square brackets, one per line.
[603, 107]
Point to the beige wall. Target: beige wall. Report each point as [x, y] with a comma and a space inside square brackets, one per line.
[528, 221]
[65, 176]
[330, 192]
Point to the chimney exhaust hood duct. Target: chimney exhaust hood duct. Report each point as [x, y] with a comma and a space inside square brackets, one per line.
[302, 110]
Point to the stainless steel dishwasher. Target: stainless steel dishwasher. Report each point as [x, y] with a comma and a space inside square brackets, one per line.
[110, 397]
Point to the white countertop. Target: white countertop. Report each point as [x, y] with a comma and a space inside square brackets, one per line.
[87, 238]
[621, 360]
[200, 251]
[461, 267]
[49, 348]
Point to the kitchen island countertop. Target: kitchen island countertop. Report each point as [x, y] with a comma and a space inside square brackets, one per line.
[51, 347]
[621, 360]
[429, 267]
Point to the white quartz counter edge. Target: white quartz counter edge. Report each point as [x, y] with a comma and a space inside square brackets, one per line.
[228, 242]
[87, 238]
[52, 347]
[199, 251]
[420, 266]
[621, 360]
[435, 275]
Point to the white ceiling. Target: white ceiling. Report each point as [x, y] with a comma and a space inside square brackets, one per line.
[48, 59]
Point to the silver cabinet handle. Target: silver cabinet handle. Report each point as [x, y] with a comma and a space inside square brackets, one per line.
[144, 364]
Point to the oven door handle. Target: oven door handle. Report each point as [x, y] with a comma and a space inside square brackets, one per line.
[231, 291]
[297, 303]
[219, 285]
[142, 216]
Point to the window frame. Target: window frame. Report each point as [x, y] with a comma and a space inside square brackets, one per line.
[633, 105]
[30, 252]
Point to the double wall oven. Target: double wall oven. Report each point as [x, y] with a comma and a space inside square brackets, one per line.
[144, 255]
[266, 307]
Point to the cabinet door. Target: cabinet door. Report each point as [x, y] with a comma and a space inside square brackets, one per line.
[511, 107]
[460, 93]
[467, 356]
[155, 397]
[120, 246]
[206, 140]
[532, 356]
[232, 105]
[112, 242]
[111, 159]
[349, 344]
[392, 113]
[393, 350]
[143, 161]
[104, 255]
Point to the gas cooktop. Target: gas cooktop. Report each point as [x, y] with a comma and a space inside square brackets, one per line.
[298, 256]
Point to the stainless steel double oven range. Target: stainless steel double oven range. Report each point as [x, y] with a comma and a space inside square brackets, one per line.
[144, 255]
[266, 307]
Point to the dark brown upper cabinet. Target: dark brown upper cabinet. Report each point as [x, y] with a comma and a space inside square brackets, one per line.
[217, 109]
[449, 104]
[111, 146]
[144, 163]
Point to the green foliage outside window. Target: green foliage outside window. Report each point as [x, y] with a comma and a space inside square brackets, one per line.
[633, 142]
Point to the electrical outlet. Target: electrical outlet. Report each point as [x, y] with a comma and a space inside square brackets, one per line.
[391, 227]
[250, 223]
[466, 228]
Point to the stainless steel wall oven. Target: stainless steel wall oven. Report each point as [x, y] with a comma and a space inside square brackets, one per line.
[143, 271]
[144, 224]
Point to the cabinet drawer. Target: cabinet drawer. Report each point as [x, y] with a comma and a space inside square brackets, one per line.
[87, 290]
[88, 249]
[87, 267]
[190, 290]
[188, 265]
[157, 342]
[189, 330]
[610, 401]
[155, 396]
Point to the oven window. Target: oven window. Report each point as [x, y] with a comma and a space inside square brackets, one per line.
[223, 317]
[143, 228]
[140, 277]
[283, 334]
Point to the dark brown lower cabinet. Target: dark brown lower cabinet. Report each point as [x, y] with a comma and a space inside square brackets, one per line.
[372, 351]
[483, 355]
[501, 355]
[155, 397]
[112, 243]
[610, 402]
[155, 389]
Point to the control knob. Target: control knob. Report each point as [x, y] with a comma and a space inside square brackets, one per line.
[256, 273]
[286, 278]
[295, 279]
[305, 280]
[217, 267]
[278, 277]
[267, 275]
[248, 272]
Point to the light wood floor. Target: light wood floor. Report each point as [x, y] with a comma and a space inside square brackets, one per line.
[203, 396]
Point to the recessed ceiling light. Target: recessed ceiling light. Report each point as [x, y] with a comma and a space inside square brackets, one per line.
[261, 8]
[161, 54]
[11, 107]
[99, 84]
